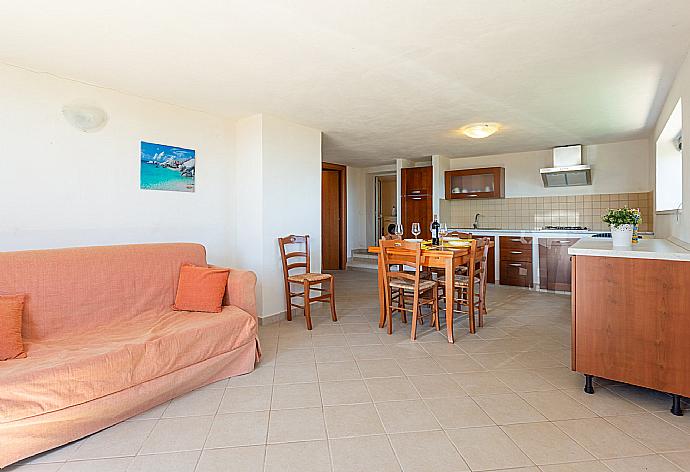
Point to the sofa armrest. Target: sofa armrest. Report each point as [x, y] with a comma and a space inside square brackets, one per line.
[241, 290]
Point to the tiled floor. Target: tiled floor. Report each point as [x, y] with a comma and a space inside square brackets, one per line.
[348, 397]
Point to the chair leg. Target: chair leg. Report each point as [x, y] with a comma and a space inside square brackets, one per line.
[288, 302]
[333, 315]
[415, 314]
[307, 305]
[435, 308]
[401, 302]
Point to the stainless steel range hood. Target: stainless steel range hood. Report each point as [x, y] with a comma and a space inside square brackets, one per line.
[568, 169]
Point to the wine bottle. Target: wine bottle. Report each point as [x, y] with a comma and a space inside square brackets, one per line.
[435, 225]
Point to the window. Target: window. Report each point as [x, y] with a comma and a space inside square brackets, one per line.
[669, 163]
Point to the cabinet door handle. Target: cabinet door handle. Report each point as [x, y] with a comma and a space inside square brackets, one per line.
[516, 240]
[516, 252]
[564, 242]
[416, 198]
[416, 191]
[515, 265]
[472, 195]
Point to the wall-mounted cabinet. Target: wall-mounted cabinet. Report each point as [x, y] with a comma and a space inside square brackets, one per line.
[485, 182]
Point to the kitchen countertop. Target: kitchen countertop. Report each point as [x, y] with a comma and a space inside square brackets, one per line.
[645, 249]
[540, 232]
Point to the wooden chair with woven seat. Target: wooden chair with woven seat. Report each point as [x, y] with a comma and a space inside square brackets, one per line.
[409, 284]
[477, 272]
[307, 279]
[459, 235]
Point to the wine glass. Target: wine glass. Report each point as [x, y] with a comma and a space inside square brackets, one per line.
[399, 230]
[416, 230]
[442, 231]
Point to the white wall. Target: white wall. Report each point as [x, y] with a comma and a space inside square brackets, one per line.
[278, 184]
[63, 187]
[677, 225]
[356, 209]
[616, 168]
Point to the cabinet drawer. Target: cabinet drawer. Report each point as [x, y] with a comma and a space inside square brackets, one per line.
[516, 273]
[516, 242]
[516, 254]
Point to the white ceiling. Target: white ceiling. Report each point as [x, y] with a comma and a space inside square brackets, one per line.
[382, 78]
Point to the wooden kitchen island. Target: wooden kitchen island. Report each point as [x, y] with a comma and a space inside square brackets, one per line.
[631, 314]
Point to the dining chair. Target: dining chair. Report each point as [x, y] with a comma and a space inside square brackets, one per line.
[306, 279]
[408, 284]
[476, 273]
[458, 234]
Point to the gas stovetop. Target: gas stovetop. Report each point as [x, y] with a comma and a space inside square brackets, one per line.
[564, 228]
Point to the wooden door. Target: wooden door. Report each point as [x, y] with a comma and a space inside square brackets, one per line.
[554, 263]
[333, 237]
[417, 181]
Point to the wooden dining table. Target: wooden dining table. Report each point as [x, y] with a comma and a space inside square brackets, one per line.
[448, 259]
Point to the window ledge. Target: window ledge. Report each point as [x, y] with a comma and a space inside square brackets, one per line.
[669, 212]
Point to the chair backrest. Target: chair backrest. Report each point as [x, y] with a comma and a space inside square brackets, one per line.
[392, 237]
[483, 260]
[289, 242]
[459, 234]
[472, 267]
[405, 253]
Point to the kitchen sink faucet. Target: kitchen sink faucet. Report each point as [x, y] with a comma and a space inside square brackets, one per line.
[475, 225]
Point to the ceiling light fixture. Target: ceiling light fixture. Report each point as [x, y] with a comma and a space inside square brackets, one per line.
[479, 130]
[85, 118]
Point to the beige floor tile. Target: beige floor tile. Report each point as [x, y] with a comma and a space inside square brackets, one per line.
[653, 432]
[172, 462]
[177, 434]
[237, 459]
[153, 414]
[344, 392]
[436, 386]
[420, 366]
[427, 451]
[545, 444]
[295, 373]
[458, 364]
[379, 368]
[406, 416]
[372, 352]
[642, 464]
[603, 402]
[562, 377]
[333, 354]
[52, 467]
[508, 408]
[365, 339]
[294, 341]
[480, 383]
[363, 454]
[338, 371]
[681, 459]
[488, 448]
[295, 356]
[601, 439]
[238, 429]
[538, 359]
[303, 424]
[58, 454]
[329, 340]
[523, 381]
[254, 398]
[409, 351]
[458, 412]
[196, 403]
[306, 456]
[303, 395]
[357, 328]
[101, 465]
[650, 400]
[499, 361]
[262, 375]
[123, 439]
[393, 388]
[556, 405]
[352, 420]
[576, 467]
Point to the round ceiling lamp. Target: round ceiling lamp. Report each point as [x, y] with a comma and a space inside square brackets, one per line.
[479, 130]
[85, 118]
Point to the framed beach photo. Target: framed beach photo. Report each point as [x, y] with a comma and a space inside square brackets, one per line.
[166, 167]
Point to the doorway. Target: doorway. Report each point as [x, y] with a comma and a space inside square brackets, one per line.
[385, 212]
[333, 216]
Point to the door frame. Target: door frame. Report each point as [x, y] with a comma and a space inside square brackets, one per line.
[342, 182]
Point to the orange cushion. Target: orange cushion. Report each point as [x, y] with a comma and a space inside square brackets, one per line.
[11, 345]
[201, 288]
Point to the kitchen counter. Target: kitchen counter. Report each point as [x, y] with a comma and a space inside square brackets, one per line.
[646, 249]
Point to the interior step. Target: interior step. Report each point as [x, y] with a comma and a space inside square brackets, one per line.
[361, 265]
[363, 254]
[362, 259]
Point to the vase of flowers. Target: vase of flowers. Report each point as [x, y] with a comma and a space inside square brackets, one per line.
[622, 222]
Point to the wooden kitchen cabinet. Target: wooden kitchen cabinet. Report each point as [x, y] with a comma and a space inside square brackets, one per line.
[485, 182]
[554, 263]
[516, 261]
[416, 198]
[491, 263]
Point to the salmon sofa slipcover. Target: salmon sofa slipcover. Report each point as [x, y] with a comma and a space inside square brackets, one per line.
[103, 343]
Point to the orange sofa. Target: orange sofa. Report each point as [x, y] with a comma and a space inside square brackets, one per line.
[104, 344]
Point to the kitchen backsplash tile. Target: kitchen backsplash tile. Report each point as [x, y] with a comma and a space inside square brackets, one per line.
[535, 212]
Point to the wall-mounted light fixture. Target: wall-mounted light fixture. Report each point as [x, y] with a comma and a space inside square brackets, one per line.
[86, 118]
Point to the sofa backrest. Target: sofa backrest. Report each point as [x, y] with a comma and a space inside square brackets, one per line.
[77, 289]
